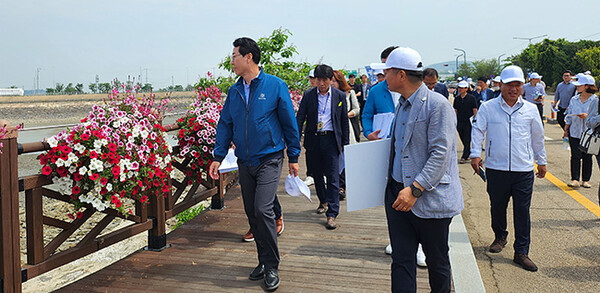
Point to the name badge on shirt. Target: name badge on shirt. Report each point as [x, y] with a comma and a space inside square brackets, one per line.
[320, 124]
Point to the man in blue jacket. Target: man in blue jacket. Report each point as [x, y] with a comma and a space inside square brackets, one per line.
[258, 117]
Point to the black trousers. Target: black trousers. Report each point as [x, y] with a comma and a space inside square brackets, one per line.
[502, 185]
[406, 232]
[577, 157]
[541, 110]
[324, 161]
[464, 132]
[259, 187]
[560, 117]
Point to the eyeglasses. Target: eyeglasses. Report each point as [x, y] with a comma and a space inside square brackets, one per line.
[235, 55]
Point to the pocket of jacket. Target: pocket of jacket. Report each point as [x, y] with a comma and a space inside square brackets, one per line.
[271, 135]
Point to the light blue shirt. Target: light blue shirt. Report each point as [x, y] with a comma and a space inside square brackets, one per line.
[564, 93]
[324, 110]
[577, 125]
[399, 130]
[246, 92]
[530, 93]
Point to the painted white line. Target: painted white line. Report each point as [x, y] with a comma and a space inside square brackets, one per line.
[547, 138]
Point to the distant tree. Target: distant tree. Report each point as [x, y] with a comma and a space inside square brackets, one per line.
[590, 59]
[275, 54]
[104, 87]
[147, 87]
[93, 87]
[70, 89]
[13, 86]
[49, 91]
[79, 88]
[59, 88]
[178, 88]
[189, 88]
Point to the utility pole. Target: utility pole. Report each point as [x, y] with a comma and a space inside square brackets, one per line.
[37, 77]
[464, 54]
[146, 69]
[172, 82]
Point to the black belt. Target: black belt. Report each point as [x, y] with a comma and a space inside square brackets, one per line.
[326, 132]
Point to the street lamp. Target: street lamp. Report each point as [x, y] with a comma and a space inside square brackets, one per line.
[464, 54]
[529, 39]
[457, 56]
[499, 58]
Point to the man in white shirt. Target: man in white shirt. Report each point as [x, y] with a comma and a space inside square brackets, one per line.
[514, 137]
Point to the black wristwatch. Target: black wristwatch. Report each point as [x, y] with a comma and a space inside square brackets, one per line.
[416, 192]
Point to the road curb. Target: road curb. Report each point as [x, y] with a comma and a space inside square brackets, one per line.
[465, 272]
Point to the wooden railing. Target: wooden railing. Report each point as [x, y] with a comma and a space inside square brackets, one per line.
[42, 257]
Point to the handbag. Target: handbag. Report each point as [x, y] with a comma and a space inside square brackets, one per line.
[355, 125]
[589, 142]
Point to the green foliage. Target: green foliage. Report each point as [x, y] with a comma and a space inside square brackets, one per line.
[50, 91]
[104, 87]
[478, 68]
[590, 59]
[187, 215]
[551, 57]
[275, 54]
[93, 87]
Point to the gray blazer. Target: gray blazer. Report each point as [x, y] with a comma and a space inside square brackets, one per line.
[429, 155]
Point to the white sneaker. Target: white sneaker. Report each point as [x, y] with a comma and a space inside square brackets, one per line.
[309, 181]
[388, 249]
[421, 257]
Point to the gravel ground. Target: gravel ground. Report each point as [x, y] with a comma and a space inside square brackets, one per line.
[57, 110]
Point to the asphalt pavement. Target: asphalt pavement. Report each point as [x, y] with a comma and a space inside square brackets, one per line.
[565, 229]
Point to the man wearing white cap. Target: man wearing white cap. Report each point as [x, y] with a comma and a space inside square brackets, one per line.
[514, 137]
[465, 105]
[534, 92]
[423, 191]
[496, 86]
[312, 79]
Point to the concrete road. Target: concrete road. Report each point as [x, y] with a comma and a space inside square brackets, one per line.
[565, 233]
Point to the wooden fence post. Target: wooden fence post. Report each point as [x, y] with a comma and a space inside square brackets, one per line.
[10, 262]
[157, 236]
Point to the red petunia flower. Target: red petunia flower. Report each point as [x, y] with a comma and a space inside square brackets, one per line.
[76, 190]
[47, 170]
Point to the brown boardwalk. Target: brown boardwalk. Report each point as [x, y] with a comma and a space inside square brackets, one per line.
[208, 255]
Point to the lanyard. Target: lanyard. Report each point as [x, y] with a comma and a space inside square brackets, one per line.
[325, 106]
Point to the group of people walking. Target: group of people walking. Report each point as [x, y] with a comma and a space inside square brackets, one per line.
[424, 191]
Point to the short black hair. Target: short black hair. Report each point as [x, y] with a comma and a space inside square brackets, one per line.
[351, 75]
[364, 76]
[431, 72]
[323, 71]
[248, 45]
[568, 71]
[482, 78]
[413, 76]
[385, 53]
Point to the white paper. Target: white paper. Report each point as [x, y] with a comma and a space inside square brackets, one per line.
[229, 163]
[366, 173]
[383, 122]
[294, 186]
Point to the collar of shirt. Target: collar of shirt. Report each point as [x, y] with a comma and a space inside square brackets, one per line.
[508, 109]
[412, 98]
[325, 95]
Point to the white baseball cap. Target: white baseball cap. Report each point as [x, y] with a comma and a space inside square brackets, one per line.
[377, 66]
[496, 79]
[463, 84]
[583, 79]
[459, 78]
[588, 73]
[311, 73]
[404, 58]
[535, 75]
[378, 71]
[512, 73]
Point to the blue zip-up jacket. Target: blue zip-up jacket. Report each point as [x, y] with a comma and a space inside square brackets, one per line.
[379, 101]
[261, 128]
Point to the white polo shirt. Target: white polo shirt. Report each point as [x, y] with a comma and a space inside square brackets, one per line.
[514, 136]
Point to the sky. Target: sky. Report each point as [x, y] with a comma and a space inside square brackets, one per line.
[181, 40]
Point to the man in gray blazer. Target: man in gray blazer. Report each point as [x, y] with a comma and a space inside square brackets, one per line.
[423, 191]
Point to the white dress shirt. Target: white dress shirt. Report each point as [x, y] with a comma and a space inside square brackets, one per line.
[514, 136]
[577, 125]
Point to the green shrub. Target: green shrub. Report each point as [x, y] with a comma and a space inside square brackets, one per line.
[187, 215]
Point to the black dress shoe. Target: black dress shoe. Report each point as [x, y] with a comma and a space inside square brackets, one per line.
[258, 273]
[271, 280]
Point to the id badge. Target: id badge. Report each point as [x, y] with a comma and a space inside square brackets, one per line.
[320, 123]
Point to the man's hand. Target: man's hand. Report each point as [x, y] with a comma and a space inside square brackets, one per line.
[374, 135]
[405, 200]
[213, 171]
[541, 173]
[582, 115]
[294, 169]
[475, 163]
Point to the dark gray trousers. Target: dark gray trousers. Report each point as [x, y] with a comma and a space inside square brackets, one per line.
[259, 187]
